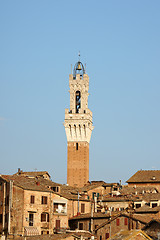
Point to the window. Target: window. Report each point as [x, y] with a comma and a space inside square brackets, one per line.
[138, 205]
[93, 195]
[117, 221]
[126, 221]
[58, 224]
[7, 201]
[55, 189]
[89, 227]
[80, 226]
[1, 218]
[55, 207]
[107, 235]
[78, 101]
[31, 219]
[44, 232]
[44, 200]
[138, 226]
[60, 208]
[32, 199]
[76, 146]
[44, 217]
[82, 208]
[154, 205]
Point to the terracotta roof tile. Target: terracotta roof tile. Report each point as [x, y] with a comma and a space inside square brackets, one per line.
[145, 176]
[126, 235]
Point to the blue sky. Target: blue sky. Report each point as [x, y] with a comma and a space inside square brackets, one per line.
[120, 43]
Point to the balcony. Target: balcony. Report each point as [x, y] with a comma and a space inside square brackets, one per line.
[60, 208]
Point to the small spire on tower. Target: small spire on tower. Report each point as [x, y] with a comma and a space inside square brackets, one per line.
[79, 55]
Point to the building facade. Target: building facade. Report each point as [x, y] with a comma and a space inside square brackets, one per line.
[78, 127]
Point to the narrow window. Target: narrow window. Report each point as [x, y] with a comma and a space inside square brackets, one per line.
[137, 225]
[84, 130]
[44, 200]
[32, 199]
[117, 221]
[7, 201]
[80, 226]
[70, 129]
[78, 101]
[44, 217]
[107, 235]
[1, 218]
[126, 221]
[82, 208]
[31, 219]
[76, 146]
[55, 207]
[57, 225]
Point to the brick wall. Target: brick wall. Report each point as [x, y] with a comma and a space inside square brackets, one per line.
[78, 164]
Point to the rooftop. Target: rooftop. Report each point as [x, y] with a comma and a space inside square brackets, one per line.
[144, 176]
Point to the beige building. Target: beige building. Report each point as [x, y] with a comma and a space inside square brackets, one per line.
[31, 204]
[78, 127]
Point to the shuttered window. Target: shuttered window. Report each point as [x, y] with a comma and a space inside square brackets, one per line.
[82, 208]
[126, 221]
[44, 200]
[117, 221]
[32, 199]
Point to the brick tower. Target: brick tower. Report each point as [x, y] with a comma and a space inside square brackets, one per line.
[78, 127]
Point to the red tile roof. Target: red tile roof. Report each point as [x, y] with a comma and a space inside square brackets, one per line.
[145, 176]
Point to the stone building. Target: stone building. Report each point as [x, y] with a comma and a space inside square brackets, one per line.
[116, 223]
[78, 127]
[29, 206]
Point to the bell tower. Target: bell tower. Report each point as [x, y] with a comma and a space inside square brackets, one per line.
[78, 127]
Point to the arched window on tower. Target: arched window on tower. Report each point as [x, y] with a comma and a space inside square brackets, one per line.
[78, 101]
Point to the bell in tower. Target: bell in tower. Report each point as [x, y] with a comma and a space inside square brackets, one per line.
[78, 127]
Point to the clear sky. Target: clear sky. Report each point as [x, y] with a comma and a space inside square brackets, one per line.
[120, 43]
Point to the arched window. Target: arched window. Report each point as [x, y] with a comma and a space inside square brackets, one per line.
[44, 217]
[78, 101]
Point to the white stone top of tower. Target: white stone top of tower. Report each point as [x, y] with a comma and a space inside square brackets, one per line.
[78, 119]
